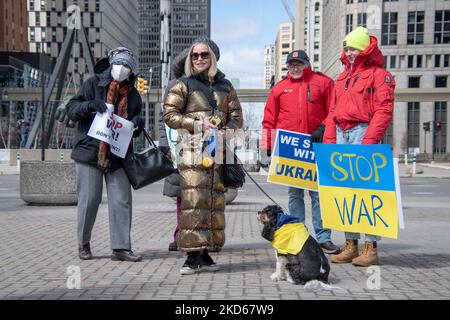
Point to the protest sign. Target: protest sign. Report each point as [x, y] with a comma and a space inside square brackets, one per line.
[357, 187]
[114, 130]
[293, 161]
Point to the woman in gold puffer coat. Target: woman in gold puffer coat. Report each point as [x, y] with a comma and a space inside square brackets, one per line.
[187, 109]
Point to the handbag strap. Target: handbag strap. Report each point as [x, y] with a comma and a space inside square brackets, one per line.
[194, 84]
[149, 139]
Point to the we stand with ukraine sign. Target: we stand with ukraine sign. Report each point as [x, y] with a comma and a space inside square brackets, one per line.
[359, 189]
[293, 161]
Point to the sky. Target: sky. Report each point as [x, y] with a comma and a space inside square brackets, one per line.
[242, 28]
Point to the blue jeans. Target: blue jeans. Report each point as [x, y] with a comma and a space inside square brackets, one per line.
[354, 135]
[297, 209]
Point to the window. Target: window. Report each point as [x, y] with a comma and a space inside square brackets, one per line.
[419, 61]
[437, 61]
[362, 19]
[349, 23]
[442, 27]
[446, 60]
[441, 82]
[389, 28]
[389, 136]
[410, 61]
[317, 6]
[413, 124]
[393, 63]
[413, 82]
[416, 21]
[440, 135]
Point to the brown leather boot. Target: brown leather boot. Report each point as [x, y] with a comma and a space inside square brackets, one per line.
[369, 255]
[348, 253]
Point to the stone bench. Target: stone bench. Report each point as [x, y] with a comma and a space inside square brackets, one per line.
[48, 183]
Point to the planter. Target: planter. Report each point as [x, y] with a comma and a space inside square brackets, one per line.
[48, 183]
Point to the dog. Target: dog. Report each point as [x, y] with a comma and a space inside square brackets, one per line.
[300, 258]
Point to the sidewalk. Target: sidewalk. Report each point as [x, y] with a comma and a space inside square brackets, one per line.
[39, 257]
[425, 170]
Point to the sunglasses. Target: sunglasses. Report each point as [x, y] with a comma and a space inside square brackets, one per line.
[204, 55]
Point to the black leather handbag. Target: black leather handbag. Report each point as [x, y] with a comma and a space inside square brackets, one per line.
[233, 174]
[148, 166]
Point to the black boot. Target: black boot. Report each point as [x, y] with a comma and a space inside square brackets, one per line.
[192, 265]
[84, 252]
[208, 263]
[125, 255]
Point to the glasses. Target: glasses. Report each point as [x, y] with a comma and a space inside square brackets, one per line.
[204, 55]
[295, 66]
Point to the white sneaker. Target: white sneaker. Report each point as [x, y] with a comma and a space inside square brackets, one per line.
[185, 271]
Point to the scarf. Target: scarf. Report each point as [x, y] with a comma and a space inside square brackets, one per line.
[118, 96]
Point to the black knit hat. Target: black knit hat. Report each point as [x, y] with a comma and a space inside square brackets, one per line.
[211, 44]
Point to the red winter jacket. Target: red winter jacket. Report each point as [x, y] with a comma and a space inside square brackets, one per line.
[297, 105]
[363, 94]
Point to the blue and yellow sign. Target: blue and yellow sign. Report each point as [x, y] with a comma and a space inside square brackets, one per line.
[293, 161]
[357, 188]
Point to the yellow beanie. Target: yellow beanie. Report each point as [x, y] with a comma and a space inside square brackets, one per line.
[358, 39]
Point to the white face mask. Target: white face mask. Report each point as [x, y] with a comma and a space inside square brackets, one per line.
[120, 73]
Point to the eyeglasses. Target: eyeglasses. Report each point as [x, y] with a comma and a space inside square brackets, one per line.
[204, 55]
[295, 66]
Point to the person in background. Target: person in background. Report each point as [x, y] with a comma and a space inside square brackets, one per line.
[113, 83]
[300, 103]
[361, 112]
[189, 108]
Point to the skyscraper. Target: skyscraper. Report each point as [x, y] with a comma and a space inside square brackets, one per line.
[269, 65]
[308, 30]
[284, 44]
[108, 24]
[13, 25]
[190, 19]
[414, 37]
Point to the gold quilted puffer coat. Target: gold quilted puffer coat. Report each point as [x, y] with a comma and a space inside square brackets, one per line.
[202, 221]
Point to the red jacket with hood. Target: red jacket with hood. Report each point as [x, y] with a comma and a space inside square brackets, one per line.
[364, 93]
[298, 105]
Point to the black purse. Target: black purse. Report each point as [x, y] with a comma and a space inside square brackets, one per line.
[148, 166]
[233, 174]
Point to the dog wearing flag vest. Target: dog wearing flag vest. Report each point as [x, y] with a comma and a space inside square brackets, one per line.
[299, 256]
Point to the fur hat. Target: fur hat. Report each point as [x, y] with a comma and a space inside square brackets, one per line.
[211, 44]
[122, 56]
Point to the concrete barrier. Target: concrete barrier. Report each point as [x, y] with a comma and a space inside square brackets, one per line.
[35, 155]
[50, 183]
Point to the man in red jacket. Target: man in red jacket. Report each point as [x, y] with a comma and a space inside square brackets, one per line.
[300, 103]
[360, 113]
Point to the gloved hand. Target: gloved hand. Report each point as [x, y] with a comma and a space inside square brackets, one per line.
[138, 124]
[317, 135]
[265, 158]
[97, 106]
[61, 116]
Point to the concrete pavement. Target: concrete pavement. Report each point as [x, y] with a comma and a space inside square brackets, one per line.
[39, 257]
